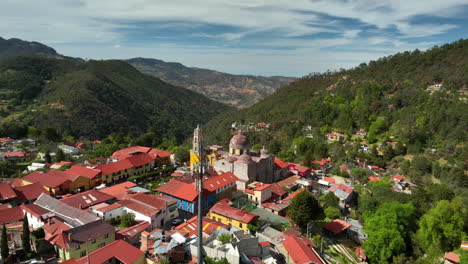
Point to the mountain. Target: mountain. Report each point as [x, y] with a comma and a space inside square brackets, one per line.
[94, 99]
[16, 47]
[418, 99]
[236, 90]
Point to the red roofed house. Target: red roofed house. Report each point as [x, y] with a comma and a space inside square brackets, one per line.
[300, 250]
[119, 191]
[334, 136]
[464, 245]
[183, 192]
[29, 193]
[372, 178]
[452, 257]
[118, 251]
[343, 192]
[93, 175]
[281, 170]
[7, 193]
[360, 253]
[191, 226]
[127, 167]
[223, 185]
[258, 192]
[12, 219]
[226, 214]
[161, 157]
[18, 156]
[397, 178]
[300, 170]
[337, 226]
[87, 199]
[154, 209]
[55, 182]
[132, 234]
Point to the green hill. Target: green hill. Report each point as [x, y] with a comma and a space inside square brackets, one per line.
[391, 98]
[95, 98]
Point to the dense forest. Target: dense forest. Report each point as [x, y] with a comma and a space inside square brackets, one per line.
[94, 99]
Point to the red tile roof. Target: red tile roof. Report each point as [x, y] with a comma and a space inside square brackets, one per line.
[328, 179]
[464, 245]
[337, 226]
[127, 163]
[29, 192]
[300, 168]
[87, 199]
[5, 139]
[452, 257]
[289, 182]
[281, 163]
[52, 179]
[339, 186]
[16, 154]
[216, 182]
[119, 249]
[128, 152]
[83, 171]
[209, 225]
[224, 209]
[261, 186]
[11, 215]
[372, 178]
[132, 231]
[294, 194]
[179, 189]
[398, 177]
[119, 189]
[6, 192]
[360, 253]
[80, 234]
[264, 244]
[301, 250]
[107, 208]
[146, 204]
[160, 153]
[277, 190]
[140, 159]
[36, 211]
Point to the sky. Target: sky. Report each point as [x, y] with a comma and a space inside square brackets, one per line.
[257, 37]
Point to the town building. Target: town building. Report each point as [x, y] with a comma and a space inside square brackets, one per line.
[226, 214]
[300, 250]
[87, 199]
[131, 166]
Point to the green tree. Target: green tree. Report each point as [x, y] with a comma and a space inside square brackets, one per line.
[25, 236]
[442, 226]
[303, 209]
[182, 155]
[4, 250]
[464, 257]
[329, 200]
[359, 174]
[332, 212]
[127, 220]
[59, 155]
[224, 238]
[47, 157]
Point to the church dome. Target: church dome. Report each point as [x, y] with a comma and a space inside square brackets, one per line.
[264, 153]
[244, 158]
[239, 141]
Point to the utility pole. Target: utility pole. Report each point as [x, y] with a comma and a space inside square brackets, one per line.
[198, 149]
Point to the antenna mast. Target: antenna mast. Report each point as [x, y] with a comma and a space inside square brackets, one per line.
[198, 149]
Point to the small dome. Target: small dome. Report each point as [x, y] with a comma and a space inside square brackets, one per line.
[244, 158]
[264, 153]
[239, 141]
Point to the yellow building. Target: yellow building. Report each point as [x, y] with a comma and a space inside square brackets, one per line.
[82, 240]
[54, 181]
[210, 157]
[226, 214]
[122, 169]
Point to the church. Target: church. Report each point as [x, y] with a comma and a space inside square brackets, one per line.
[247, 165]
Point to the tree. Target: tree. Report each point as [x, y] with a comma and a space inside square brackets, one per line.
[59, 156]
[224, 238]
[127, 220]
[25, 236]
[4, 250]
[464, 257]
[442, 226]
[182, 155]
[47, 157]
[329, 200]
[332, 212]
[359, 174]
[303, 209]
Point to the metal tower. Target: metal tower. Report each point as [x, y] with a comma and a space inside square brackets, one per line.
[198, 149]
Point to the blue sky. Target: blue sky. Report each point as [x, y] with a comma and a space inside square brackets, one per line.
[258, 37]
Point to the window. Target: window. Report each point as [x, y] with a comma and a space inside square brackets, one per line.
[93, 241]
[83, 253]
[78, 247]
[106, 236]
[240, 225]
[101, 245]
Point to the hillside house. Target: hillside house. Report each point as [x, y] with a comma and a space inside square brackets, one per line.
[226, 214]
[131, 166]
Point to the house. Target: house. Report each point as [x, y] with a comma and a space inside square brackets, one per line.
[87, 199]
[186, 195]
[122, 169]
[452, 257]
[18, 156]
[241, 245]
[300, 250]
[360, 254]
[344, 192]
[223, 185]
[361, 132]
[281, 170]
[82, 240]
[464, 245]
[36, 166]
[29, 193]
[226, 214]
[160, 157]
[373, 178]
[11, 215]
[12, 219]
[336, 226]
[258, 192]
[356, 231]
[69, 149]
[93, 175]
[209, 226]
[165, 244]
[60, 164]
[154, 209]
[334, 136]
[54, 181]
[119, 191]
[107, 211]
[290, 183]
[7, 194]
[326, 181]
[300, 170]
[132, 234]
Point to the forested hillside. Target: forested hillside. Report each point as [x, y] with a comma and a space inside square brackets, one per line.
[389, 98]
[93, 99]
[236, 90]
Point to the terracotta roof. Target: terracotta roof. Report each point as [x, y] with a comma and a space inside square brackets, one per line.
[146, 204]
[294, 194]
[52, 179]
[119, 189]
[216, 182]
[261, 186]
[224, 209]
[29, 192]
[179, 189]
[16, 154]
[87, 199]
[81, 234]
[132, 231]
[177, 174]
[452, 257]
[53, 228]
[69, 214]
[128, 152]
[37, 211]
[264, 244]
[156, 153]
[106, 208]
[83, 171]
[372, 178]
[5, 206]
[300, 168]
[301, 250]
[328, 179]
[140, 159]
[11, 215]
[6, 192]
[209, 225]
[115, 166]
[5, 139]
[277, 190]
[398, 177]
[360, 253]
[289, 182]
[464, 245]
[342, 187]
[119, 249]
[337, 226]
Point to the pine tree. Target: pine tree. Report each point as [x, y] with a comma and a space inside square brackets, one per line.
[25, 237]
[4, 250]
[47, 157]
[59, 156]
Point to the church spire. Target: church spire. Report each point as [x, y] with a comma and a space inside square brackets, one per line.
[197, 141]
